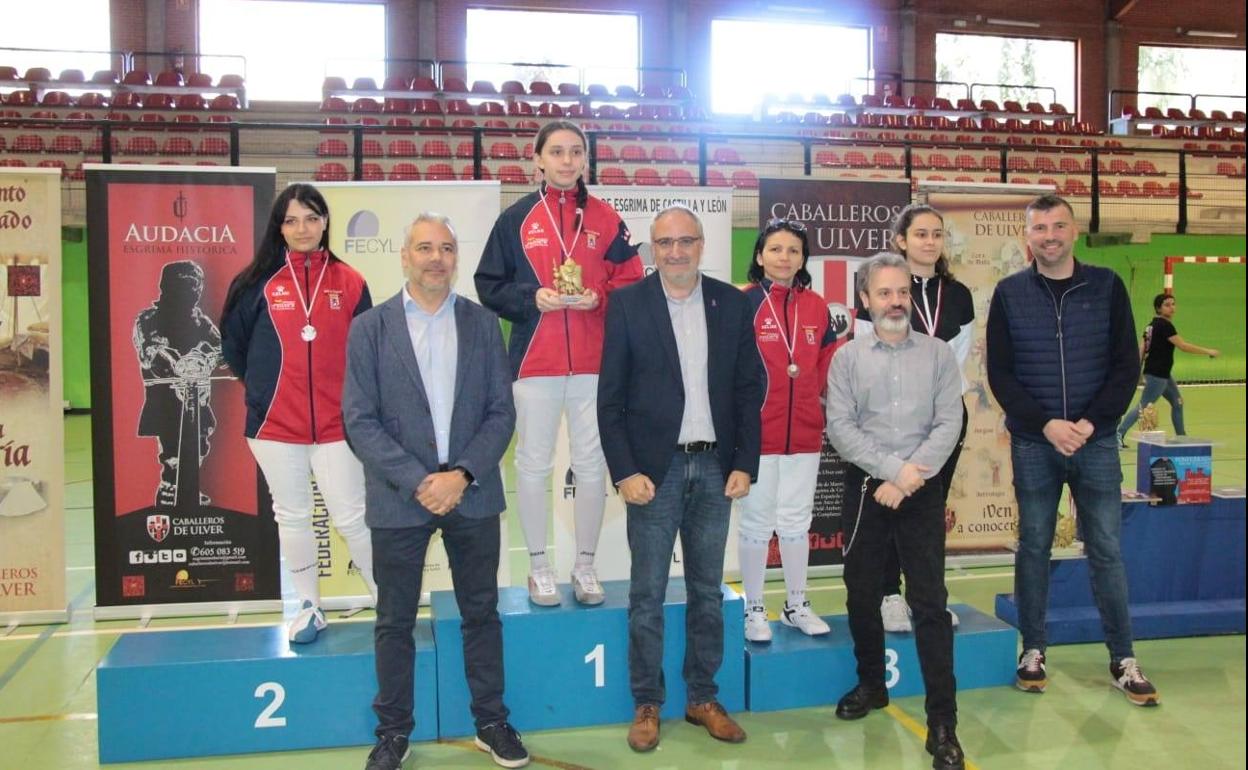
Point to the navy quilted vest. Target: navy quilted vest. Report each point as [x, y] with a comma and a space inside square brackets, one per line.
[1061, 341]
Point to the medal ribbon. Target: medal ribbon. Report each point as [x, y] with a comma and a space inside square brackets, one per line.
[930, 320]
[307, 306]
[790, 340]
[565, 250]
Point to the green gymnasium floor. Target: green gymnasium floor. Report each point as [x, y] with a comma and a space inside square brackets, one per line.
[48, 717]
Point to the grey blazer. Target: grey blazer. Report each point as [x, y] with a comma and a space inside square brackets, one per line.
[390, 427]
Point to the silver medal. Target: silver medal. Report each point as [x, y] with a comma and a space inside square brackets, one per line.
[308, 333]
[793, 371]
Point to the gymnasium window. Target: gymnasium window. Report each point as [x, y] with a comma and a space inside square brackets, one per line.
[1025, 61]
[756, 62]
[291, 46]
[1187, 70]
[61, 24]
[606, 46]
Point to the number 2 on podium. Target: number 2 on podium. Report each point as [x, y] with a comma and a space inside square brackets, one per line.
[266, 718]
[598, 656]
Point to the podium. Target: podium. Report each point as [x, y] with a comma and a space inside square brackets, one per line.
[240, 690]
[567, 666]
[1185, 576]
[797, 671]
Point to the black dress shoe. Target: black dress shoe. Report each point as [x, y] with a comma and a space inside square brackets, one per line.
[858, 702]
[942, 744]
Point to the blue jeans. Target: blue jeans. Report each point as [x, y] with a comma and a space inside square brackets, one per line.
[1095, 479]
[1154, 388]
[398, 565]
[691, 502]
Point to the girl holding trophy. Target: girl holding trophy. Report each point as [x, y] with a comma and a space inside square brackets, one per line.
[549, 266]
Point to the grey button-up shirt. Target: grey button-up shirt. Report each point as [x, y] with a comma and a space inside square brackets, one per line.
[689, 325]
[435, 341]
[892, 404]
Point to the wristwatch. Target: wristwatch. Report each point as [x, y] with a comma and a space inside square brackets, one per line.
[467, 476]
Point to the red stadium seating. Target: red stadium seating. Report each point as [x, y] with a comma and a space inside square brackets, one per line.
[612, 175]
[332, 172]
[512, 174]
[402, 148]
[404, 172]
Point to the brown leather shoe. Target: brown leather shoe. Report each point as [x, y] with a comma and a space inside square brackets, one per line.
[712, 716]
[644, 733]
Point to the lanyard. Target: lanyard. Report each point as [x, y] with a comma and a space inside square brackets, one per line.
[790, 339]
[930, 320]
[565, 250]
[309, 331]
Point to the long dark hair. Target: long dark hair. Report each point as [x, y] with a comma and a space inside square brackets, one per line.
[543, 134]
[802, 277]
[272, 250]
[902, 222]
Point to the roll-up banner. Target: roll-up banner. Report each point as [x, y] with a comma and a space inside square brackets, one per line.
[846, 221]
[183, 522]
[367, 222]
[984, 243]
[32, 454]
[637, 207]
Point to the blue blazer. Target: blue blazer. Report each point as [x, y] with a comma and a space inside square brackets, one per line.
[641, 394]
[389, 424]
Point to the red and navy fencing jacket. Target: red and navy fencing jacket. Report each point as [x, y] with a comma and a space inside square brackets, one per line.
[294, 388]
[792, 413]
[521, 256]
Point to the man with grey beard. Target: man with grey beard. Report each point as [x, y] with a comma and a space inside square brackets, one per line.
[894, 413]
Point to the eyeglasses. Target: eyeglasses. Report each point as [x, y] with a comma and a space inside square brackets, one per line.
[778, 223]
[684, 242]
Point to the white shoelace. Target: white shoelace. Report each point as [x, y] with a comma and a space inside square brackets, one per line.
[544, 579]
[1131, 671]
[588, 580]
[1033, 660]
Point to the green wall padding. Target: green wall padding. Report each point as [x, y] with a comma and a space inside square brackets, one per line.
[76, 353]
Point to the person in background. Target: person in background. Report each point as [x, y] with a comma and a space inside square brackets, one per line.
[1157, 347]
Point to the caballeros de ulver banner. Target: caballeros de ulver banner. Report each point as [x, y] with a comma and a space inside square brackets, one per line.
[32, 457]
[984, 243]
[181, 514]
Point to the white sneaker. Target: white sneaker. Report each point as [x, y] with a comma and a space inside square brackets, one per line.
[953, 617]
[542, 589]
[586, 586]
[757, 629]
[804, 619]
[896, 614]
[307, 624]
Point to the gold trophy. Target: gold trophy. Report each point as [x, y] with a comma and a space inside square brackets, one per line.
[568, 282]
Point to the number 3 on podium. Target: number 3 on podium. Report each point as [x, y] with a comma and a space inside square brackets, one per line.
[892, 674]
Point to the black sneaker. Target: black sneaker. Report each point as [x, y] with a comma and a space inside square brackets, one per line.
[1031, 676]
[1130, 679]
[502, 741]
[389, 753]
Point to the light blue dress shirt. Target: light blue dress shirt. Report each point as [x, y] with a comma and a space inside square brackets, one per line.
[435, 342]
